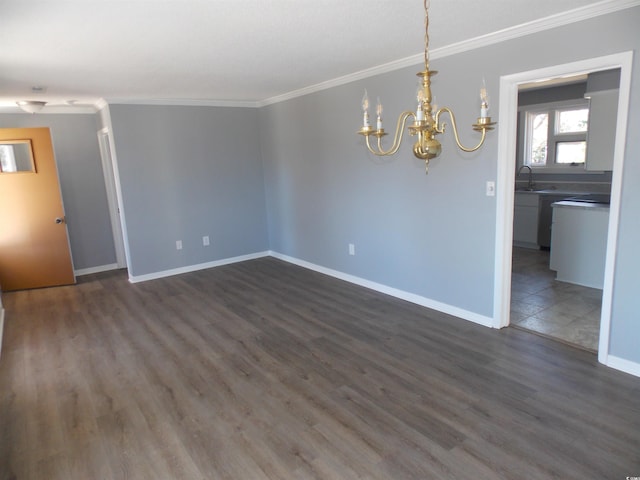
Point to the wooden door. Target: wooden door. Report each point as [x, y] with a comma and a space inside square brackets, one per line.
[34, 246]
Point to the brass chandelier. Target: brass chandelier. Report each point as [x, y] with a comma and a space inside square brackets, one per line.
[426, 119]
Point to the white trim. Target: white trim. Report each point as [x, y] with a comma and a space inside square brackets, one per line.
[49, 109]
[540, 25]
[104, 142]
[98, 269]
[394, 292]
[193, 268]
[623, 365]
[352, 77]
[506, 181]
[101, 103]
[116, 183]
[625, 61]
[180, 102]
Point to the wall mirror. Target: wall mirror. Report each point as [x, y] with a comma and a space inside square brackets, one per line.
[16, 156]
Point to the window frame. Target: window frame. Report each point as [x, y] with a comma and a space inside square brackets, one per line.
[551, 109]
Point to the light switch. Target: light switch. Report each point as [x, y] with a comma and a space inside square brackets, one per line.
[491, 188]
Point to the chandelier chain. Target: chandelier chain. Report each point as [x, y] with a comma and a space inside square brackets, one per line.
[426, 34]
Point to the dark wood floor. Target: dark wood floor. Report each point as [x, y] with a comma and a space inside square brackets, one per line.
[266, 370]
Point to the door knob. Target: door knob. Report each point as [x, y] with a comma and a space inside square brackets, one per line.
[59, 220]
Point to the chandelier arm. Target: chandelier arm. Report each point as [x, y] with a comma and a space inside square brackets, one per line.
[455, 130]
[397, 138]
[400, 126]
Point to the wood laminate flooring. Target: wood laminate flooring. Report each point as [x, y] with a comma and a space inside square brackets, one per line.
[264, 370]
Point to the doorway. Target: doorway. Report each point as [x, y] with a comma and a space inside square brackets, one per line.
[553, 115]
[506, 178]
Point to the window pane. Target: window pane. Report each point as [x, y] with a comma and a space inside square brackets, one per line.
[570, 152]
[570, 121]
[538, 124]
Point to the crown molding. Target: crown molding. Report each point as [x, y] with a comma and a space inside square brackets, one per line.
[179, 102]
[536, 26]
[572, 16]
[100, 104]
[53, 109]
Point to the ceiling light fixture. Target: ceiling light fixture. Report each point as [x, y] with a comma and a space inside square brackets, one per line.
[31, 106]
[426, 119]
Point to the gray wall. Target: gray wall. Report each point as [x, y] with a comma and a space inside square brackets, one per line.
[187, 172]
[75, 144]
[431, 235]
[424, 234]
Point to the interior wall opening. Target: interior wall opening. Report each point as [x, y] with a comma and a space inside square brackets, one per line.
[564, 164]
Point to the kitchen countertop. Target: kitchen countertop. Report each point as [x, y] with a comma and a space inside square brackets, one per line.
[554, 192]
[582, 205]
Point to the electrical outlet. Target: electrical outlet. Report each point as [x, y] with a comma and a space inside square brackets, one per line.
[205, 240]
[352, 249]
[178, 244]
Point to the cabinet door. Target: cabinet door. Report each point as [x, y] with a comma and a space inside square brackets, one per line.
[525, 220]
[603, 113]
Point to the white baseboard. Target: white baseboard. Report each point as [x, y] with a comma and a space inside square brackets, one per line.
[623, 365]
[193, 268]
[612, 361]
[394, 292]
[98, 269]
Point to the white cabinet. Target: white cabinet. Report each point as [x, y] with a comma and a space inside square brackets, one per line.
[525, 220]
[603, 112]
[579, 242]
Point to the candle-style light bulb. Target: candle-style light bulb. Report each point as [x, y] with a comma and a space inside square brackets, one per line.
[365, 108]
[421, 98]
[379, 115]
[484, 101]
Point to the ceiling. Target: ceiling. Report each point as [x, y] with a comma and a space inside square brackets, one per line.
[80, 51]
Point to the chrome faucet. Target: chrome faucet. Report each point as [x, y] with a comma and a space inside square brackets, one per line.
[530, 183]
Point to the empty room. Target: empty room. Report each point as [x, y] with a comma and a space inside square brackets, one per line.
[335, 240]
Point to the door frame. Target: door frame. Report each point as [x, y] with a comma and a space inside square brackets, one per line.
[104, 141]
[506, 178]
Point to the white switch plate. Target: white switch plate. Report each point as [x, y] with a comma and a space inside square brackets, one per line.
[178, 244]
[491, 188]
[205, 240]
[352, 249]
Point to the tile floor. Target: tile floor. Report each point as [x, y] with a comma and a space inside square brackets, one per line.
[567, 312]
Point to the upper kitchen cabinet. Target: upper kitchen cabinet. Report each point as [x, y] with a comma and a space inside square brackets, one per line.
[603, 111]
[602, 90]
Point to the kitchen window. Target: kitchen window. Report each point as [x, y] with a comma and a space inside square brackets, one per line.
[555, 136]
